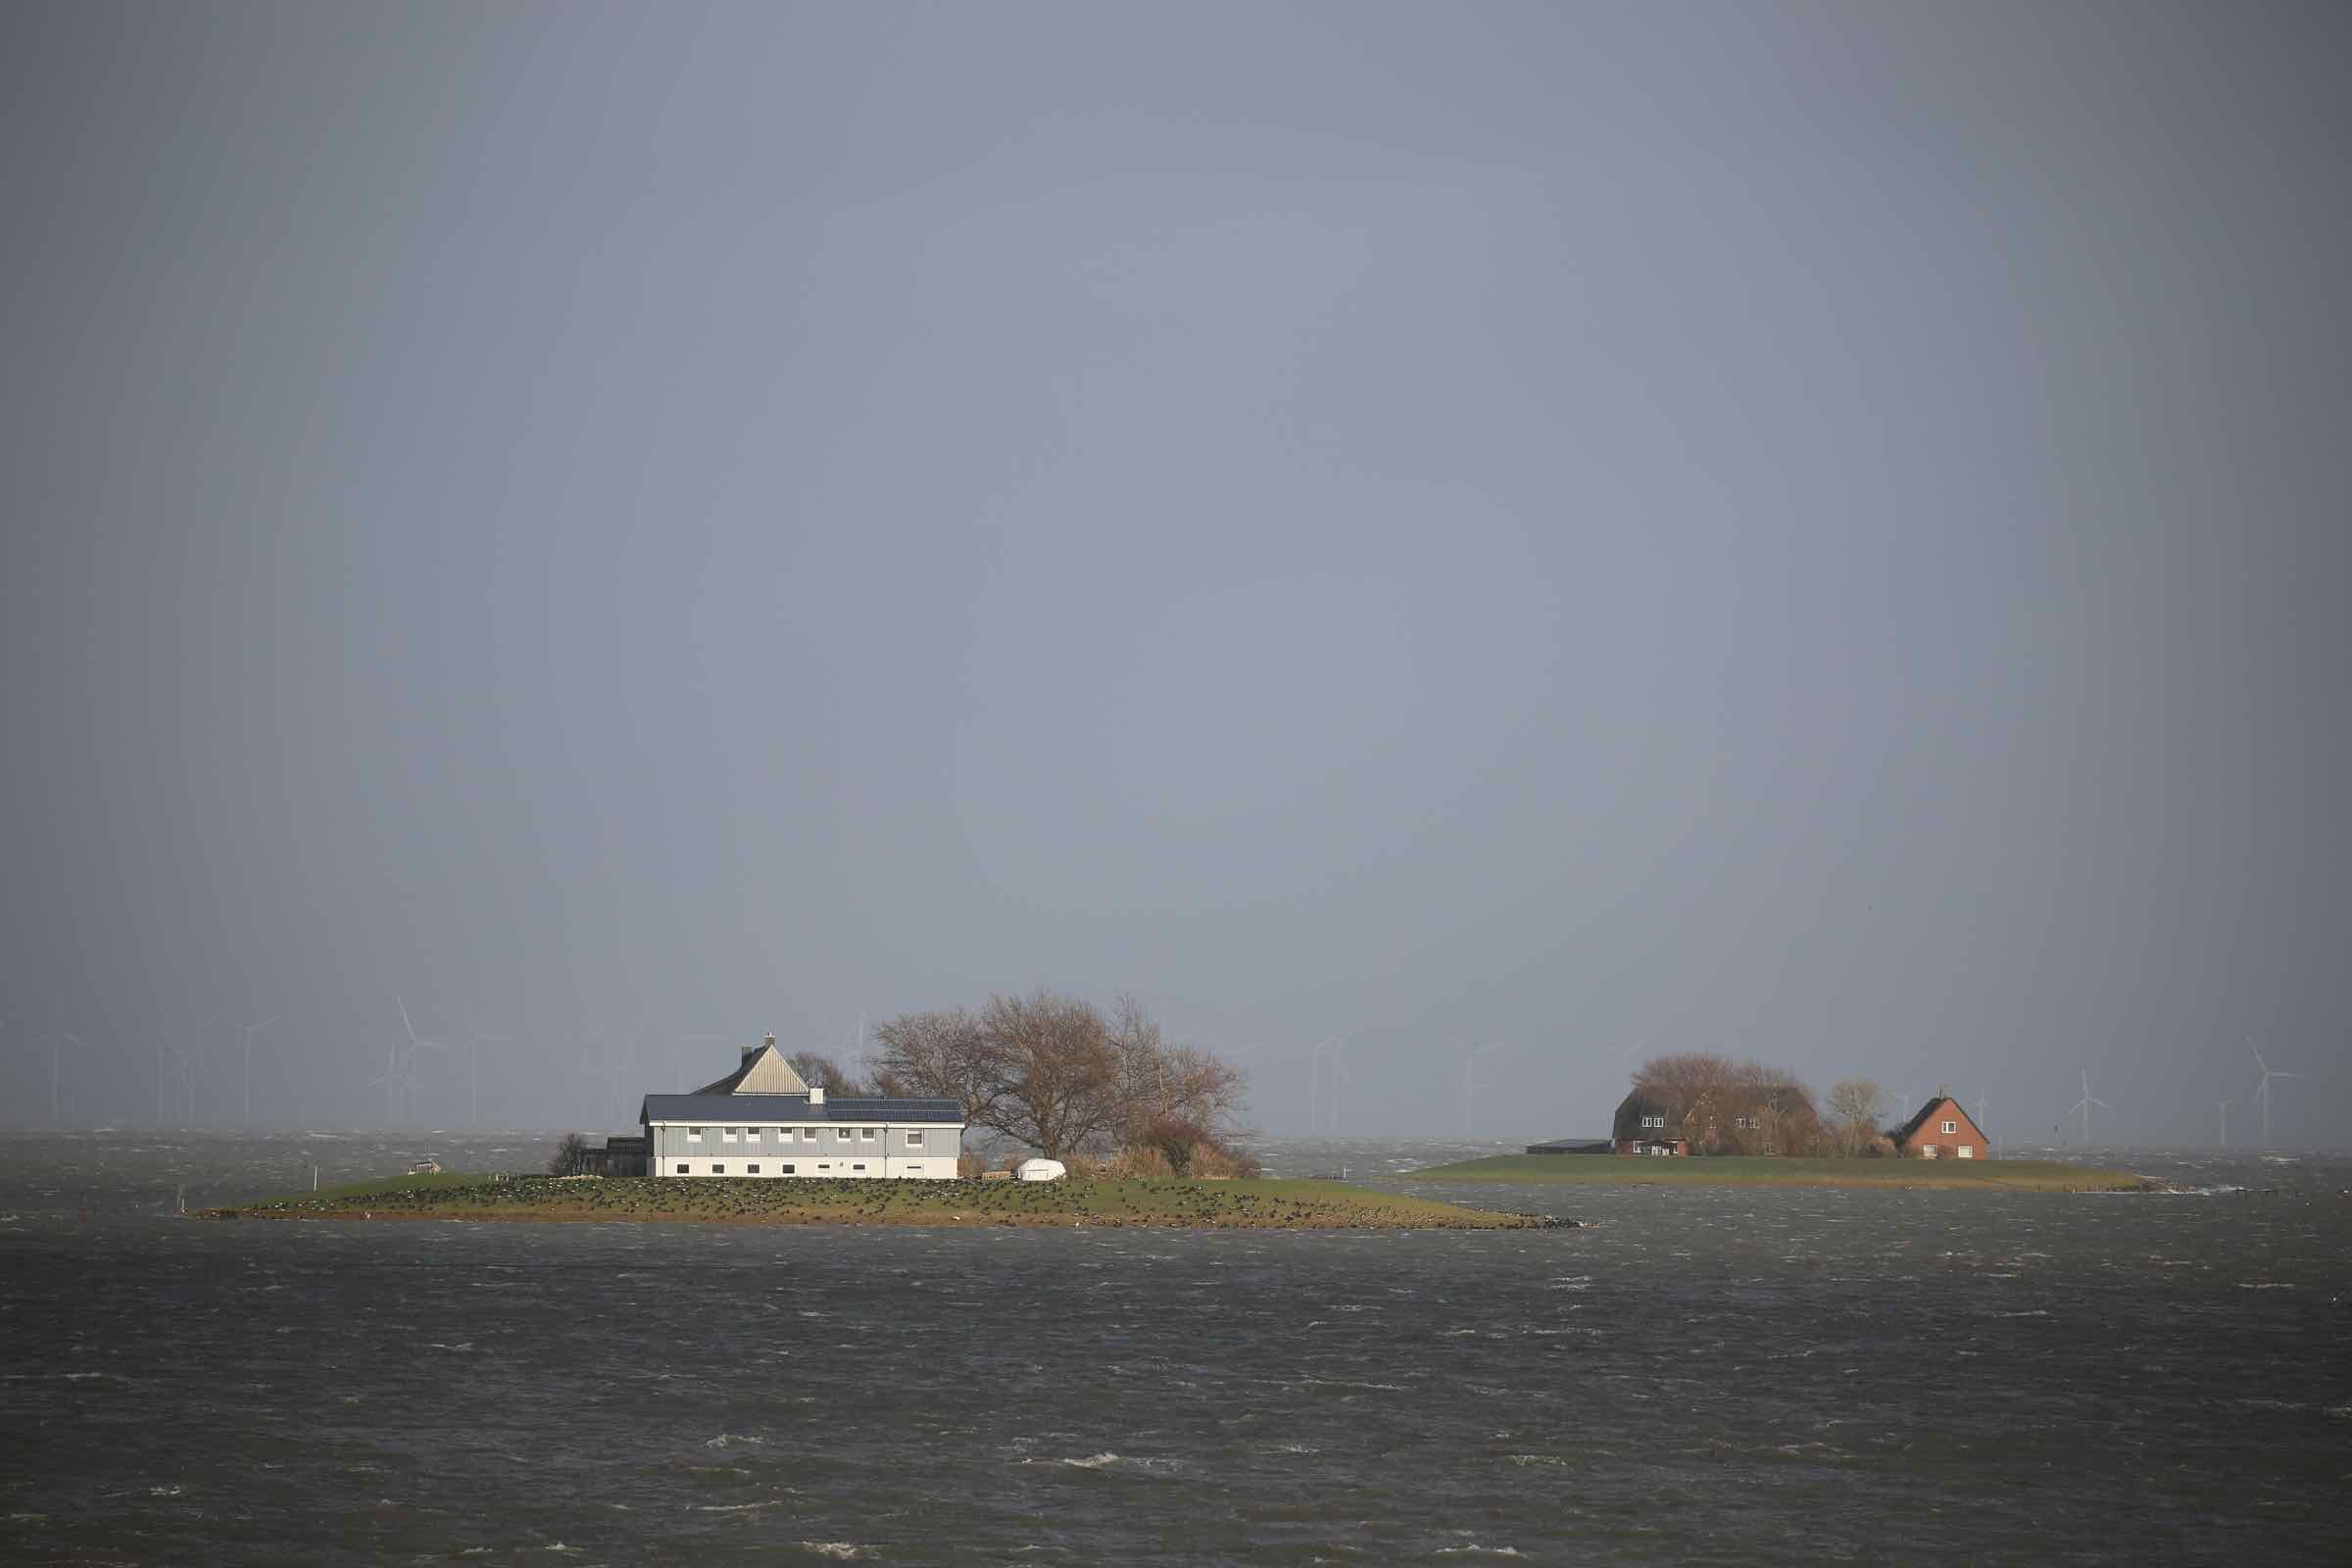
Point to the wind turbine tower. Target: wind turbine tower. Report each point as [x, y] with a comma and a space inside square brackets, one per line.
[400, 1078]
[2222, 1106]
[174, 1083]
[2262, 1089]
[2085, 1103]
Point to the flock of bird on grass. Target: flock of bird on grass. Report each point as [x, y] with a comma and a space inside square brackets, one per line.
[819, 1200]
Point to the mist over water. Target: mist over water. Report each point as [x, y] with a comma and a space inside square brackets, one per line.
[1730, 1375]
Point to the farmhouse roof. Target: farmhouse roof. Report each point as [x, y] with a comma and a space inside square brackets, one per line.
[764, 1109]
[1631, 1108]
[1936, 1103]
[763, 1071]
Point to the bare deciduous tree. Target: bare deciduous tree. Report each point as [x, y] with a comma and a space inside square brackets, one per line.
[1687, 1084]
[823, 1072]
[1054, 1074]
[1723, 1105]
[1060, 1068]
[938, 1056]
[573, 1157]
[1855, 1104]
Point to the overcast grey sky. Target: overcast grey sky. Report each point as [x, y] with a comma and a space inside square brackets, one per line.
[1814, 531]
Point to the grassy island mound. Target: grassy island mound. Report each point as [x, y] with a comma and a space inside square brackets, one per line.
[1194, 1205]
[1735, 1171]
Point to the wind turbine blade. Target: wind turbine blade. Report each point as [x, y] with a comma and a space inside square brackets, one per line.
[2102, 1105]
[403, 1019]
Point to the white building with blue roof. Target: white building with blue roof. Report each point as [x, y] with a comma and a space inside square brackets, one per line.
[763, 1121]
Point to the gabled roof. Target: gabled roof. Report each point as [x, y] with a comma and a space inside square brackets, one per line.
[1631, 1109]
[764, 1071]
[787, 1109]
[1936, 1103]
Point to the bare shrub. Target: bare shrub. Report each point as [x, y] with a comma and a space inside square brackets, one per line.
[572, 1157]
[1140, 1161]
[1216, 1161]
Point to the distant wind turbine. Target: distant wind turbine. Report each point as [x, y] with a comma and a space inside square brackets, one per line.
[175, 1077]
[2262, 1089]
[2222, 1106]
[58, 1041]
[1470, 1055]
[2085, 1103]
[400, 1078]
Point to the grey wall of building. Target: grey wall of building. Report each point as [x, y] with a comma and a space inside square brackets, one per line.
[779, 1143]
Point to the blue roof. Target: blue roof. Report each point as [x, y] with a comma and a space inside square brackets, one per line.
[769, 1109]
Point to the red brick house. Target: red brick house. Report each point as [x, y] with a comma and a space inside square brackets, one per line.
[1942, 1131]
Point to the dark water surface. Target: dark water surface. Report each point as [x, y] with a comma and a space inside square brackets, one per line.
[1701, 1376]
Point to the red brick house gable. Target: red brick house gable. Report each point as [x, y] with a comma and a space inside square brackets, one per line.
[1942, 1131]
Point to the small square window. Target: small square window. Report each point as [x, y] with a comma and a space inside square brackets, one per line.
[1950, 1127]
[751, 1171]
[683, 1168]
[857, 1167]
[807, 1135]
[785, 1169]
[867, 1134]
[914, 1140]
[752, 1133]
[718, 1168]
[842, 1133]
[694, 1135]
[726, 1135]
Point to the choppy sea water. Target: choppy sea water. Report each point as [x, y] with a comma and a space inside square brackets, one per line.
[1698, 1376]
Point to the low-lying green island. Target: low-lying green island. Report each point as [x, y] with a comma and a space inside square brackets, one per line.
[1736, 1170]
[1195, 1205]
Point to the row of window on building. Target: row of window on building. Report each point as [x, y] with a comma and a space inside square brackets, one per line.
[718, 1167]
[807, 1135]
